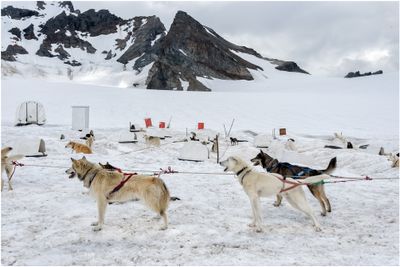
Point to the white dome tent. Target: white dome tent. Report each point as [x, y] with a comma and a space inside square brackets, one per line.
[30, 112]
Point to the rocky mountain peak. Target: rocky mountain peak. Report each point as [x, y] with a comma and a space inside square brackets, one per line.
[191, 50]
[66, 4]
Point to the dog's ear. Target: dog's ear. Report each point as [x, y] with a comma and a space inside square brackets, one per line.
[73, 160]
[84, 157]
[262, 153]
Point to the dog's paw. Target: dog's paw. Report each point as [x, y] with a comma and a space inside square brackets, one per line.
[252, 224]
[94, 223]
[97, 228]
[323, 214]
[162, 228]
[277, 204]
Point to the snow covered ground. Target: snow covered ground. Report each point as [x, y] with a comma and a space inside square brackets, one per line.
[46, 219]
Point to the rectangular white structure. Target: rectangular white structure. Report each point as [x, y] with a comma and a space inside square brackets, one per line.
[80, 118]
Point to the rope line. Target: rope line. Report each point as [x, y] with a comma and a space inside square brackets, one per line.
[169, 170]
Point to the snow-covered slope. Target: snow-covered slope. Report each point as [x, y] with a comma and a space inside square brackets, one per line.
[46, 219]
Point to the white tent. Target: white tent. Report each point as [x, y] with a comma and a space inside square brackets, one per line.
[193, 151]
[30, 112]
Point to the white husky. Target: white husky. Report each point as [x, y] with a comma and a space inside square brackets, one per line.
[257, 184]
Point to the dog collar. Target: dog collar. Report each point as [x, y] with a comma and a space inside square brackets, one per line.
[239, 172]
[84, 176]
[242, 178]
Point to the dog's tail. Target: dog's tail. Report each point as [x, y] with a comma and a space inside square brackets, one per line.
[331, 166]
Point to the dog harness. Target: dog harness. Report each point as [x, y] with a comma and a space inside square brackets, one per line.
[121, 184]
[304, 171]
[239, 172]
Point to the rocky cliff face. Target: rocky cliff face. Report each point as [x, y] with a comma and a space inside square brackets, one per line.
[144, 37]
[191, 50]
[358, 74]
[170, 61]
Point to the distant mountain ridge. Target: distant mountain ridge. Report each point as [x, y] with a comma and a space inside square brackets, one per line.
[57, 33]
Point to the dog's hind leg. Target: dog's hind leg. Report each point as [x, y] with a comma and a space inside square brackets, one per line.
[278, 201]
[163, 214]
[316, 192]
[301, 204]
[101, 206]
[326, 200]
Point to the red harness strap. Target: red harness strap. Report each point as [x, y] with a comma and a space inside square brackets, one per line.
[121, 184]
[16, 164]
[294, 184]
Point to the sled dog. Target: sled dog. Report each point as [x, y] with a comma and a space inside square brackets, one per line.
[6, 165]
[288, 170]
[110, 167]
[257, 184]
[152, 140]
[79, 148]
[89, 141]
[394, 158]
[102, 186]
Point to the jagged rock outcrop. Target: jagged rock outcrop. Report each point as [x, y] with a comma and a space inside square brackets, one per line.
[109, 56]
[40, 5]
[290, 66]
[144, 36]
[16, 31]
[73, 63]
[67, 4]
[93, 22]
[358, 74]
[11, 51]
[62, 29]
[62, 54]
[18, 13]
[191, 50]
[29, 33]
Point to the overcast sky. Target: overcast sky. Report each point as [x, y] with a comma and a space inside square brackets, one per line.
[322, 37]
